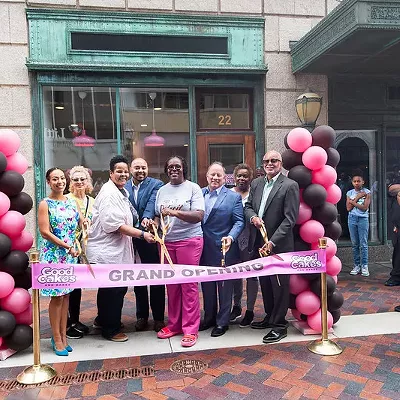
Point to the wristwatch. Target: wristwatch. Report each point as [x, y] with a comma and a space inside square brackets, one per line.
[142, 236]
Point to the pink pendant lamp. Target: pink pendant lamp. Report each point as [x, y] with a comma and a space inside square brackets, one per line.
[83, 140]
[153, 140]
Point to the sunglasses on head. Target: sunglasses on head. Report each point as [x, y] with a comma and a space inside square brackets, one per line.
[272, 161]
[79, 179]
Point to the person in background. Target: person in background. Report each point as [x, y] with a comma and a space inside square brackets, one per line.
[79, 189]
[182, 201]
[142, 191]
[110, 242]
[58, 220]
[357, 204]
[222, 223]
[243, 175]
[273, 202]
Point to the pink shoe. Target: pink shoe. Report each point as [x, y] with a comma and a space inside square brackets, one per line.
[166, 333]
[189, 340]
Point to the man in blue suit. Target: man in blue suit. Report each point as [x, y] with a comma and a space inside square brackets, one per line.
[142, 194]
[223, 221]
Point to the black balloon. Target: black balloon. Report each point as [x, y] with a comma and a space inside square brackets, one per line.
[310, 277]
[323, 136]
[303, 317]
[285, 141]
[292, 301]
[314, 195]
[336, 315]
[301, 245]
[326, 213]
[290, 159]
[335, 301]
[24, 280]
[20, 339]
[301, 175]
[333, 157]
[7, 323]
[333, 230]
[11, 183]
[3, 162]
[315, 286]
[22, 203]
[5, 245]
[14, 263]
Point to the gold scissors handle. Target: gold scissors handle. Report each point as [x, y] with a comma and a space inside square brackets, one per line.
[224, 251]
[165, 224]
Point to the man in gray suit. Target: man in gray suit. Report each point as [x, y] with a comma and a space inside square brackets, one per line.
[274, 202]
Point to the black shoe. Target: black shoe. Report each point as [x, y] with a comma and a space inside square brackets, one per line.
[81, 328]
[392, 282]
[141, 324]
[219, 331]
[397, 308]
[275, 335]
[206, 325]
[247, 319]
[236, 313]
[261, 324]
[73, 333]
[158, 325]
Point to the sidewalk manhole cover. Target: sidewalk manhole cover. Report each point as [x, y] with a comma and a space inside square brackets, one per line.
[188, 367]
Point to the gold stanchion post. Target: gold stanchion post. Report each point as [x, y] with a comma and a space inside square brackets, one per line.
[324, 346]
[37, 373]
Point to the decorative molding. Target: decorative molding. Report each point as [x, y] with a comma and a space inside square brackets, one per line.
[386, 15]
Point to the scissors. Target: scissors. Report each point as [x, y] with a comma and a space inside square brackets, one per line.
[165, 224]
[224, 251]
[264, 252]
[82, 251]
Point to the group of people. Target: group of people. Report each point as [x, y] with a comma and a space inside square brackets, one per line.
[121, 220]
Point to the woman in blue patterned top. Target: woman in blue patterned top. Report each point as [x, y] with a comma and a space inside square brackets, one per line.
[58, 219]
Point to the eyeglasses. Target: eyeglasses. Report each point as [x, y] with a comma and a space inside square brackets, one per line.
[174, 167]
[272, 161]
[79, 179]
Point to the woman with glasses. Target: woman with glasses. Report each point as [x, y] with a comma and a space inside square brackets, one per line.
[181, 201]
[79, 189]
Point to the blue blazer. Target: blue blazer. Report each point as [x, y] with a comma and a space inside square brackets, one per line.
[146, 198]
[226, 219]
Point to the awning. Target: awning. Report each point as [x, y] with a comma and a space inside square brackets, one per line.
[358, 36]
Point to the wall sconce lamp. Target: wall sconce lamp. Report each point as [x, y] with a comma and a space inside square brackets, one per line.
[308, 107]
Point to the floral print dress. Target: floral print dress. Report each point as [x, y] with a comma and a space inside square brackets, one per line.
[64, 220]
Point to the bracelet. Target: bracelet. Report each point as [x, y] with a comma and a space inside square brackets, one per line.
[141, 235]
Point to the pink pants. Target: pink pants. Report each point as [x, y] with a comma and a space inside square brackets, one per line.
[183, 299]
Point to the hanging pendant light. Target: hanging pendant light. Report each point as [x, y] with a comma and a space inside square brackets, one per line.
[153, 140]
[83, 140]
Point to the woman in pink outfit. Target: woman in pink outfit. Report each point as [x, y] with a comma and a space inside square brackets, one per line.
[182, 201]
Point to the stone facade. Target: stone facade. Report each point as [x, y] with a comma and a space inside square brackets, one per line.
[285, 21]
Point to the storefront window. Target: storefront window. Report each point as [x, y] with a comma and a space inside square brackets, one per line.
[79, 129]
[155, 126]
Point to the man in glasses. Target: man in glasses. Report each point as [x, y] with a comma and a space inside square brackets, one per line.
[142, 191]
[273, 202]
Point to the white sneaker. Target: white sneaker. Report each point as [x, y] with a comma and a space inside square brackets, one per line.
[364, 270]
[356, 270]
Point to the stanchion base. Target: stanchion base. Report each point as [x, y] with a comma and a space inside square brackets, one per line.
[36, 374]
[324, 347]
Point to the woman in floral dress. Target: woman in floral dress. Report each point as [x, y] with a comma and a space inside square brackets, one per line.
[58, 219]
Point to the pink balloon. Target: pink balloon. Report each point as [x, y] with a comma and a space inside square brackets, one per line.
[311, 231]
[314, 157]
[299, 139]
[296, 314]
[7, 284]
[326, 176]
[334, 194]
[298, 284]
[17, 301]
[330, 250]
[17, 162]
[334, 277]
[12, 224]
[1, 341]
[305, 213]
[26, 317]
[4, 203]
[22, 242]
[314, 321]
[9, 142]
[307, 302]
[333, 266]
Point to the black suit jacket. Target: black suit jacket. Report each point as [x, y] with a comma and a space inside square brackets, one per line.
[280, 212]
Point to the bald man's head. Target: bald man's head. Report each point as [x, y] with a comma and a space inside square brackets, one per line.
[139, 170]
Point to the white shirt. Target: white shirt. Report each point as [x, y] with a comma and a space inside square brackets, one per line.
[244, 199]
[135, 190]
[106, 245]
[267, 190]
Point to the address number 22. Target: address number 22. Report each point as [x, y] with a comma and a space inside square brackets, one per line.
[224, 120]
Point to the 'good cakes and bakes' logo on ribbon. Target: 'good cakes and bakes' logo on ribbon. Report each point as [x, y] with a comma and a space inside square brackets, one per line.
[73, 276]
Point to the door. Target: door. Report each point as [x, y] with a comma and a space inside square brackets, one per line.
[229, 149]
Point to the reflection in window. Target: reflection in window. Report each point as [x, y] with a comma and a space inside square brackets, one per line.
[151, 114]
